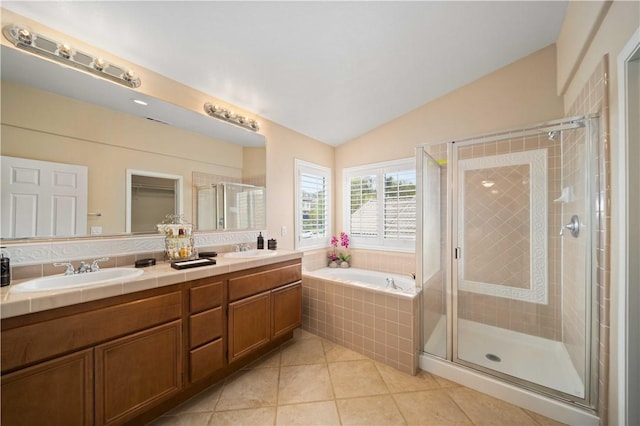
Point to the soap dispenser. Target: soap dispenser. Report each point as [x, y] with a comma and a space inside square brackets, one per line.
[5, 269]
[260, 242]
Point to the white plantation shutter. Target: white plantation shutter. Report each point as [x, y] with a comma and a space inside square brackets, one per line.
[363, 206]
[313, 187]
[380, 205]
[400, 205]
[314, 212]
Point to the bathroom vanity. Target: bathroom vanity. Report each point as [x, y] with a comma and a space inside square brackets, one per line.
[130, 357]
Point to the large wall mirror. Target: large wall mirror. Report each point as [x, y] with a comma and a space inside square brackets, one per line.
[52, 113]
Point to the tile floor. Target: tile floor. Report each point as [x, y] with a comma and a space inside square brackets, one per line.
[312, 381]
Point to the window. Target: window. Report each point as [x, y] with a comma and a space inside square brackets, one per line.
[380, 205]
[313, 208]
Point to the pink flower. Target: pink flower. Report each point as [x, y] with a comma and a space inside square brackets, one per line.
[334, 241]
[344, 240]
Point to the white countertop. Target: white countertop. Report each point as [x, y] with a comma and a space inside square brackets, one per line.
[160, 275]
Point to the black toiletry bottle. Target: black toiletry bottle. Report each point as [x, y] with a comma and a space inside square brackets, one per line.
[5, 270]
[260, 241]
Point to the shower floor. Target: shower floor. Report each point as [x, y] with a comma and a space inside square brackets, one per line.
[537, 360]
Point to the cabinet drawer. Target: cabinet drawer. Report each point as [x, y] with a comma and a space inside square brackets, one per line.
[206, 360]
[205, 297]
[31, 343]
[248, 285]
[205, 327]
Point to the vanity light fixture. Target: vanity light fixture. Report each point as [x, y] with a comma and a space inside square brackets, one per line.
[231, 117]
[50, 48]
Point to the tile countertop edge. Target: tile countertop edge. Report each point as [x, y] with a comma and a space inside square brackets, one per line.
[13, 304]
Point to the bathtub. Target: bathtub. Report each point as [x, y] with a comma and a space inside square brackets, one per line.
[355, 308]
[369, 279]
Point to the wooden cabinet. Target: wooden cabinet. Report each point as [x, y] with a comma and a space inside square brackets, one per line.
[287, 309]
[57, 392]
[128, 359]
[263, 306]
[137, 371]
[249, 324]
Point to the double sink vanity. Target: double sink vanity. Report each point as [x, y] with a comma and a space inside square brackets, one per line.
[125, 349]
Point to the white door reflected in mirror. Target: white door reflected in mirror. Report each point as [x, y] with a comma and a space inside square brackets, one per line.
[43, 198]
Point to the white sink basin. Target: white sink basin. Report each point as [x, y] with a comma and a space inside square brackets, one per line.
[250, 254]
[61, 282]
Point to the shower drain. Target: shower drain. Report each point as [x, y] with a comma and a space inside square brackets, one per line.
[492, 357]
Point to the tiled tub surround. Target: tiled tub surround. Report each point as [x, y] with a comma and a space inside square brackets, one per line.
[382, 325]
[373, 260]
[14, 304]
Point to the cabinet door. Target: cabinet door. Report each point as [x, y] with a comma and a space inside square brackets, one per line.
[287, 308]
[249, 324]
[136, 372]
[57, 392]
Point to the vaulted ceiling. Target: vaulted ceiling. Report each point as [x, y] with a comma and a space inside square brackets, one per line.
[329, 70]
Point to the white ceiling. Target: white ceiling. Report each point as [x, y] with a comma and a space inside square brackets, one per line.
[329, 70]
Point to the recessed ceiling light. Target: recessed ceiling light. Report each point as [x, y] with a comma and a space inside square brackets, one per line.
[140, 102]
[488, 183]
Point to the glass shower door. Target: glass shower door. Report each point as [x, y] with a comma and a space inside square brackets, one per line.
[433, 266]
[521, 277]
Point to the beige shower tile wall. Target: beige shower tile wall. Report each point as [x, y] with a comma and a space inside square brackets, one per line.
[503, 220]
[536, 319]
[593, 99]
[380, 325]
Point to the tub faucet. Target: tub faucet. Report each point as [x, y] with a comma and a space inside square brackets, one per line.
[391, 283]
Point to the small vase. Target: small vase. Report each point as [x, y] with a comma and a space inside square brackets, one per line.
[333, 264]
[344, 265]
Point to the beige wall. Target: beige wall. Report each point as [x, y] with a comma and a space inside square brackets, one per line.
[283, 147]
[614, 31]
[521, 93]
[579, 27]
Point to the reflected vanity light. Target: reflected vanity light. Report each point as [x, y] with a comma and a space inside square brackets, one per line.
[488, 183]
[64, 53]
[231, 117]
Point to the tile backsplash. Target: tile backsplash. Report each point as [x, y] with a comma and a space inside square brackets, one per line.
[31, 259]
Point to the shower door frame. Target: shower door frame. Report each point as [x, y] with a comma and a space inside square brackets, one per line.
[590, 123]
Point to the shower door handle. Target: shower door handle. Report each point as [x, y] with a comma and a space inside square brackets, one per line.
[573, 226]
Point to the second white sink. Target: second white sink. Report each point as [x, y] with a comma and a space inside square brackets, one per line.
[250, 254]
[61, 282]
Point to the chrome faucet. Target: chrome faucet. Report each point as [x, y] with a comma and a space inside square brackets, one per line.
[242, 247]
[94, 265]
[83, 268]
[70, 270]
[391, 283]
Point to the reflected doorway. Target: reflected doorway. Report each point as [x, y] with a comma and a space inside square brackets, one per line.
[151, 197]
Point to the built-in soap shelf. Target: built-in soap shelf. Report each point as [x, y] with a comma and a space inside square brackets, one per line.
[566, 196]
